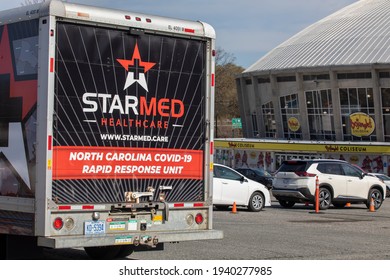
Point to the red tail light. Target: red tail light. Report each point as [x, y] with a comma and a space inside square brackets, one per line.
[305, 174]
[58, 223]
[199, 218]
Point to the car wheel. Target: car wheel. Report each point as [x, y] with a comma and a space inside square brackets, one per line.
[325, 198]
[377, 196]
[339, 204]
[286, 203]
[256, 202]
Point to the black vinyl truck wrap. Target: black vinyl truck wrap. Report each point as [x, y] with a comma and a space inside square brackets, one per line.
[129, 114]
[106, 130]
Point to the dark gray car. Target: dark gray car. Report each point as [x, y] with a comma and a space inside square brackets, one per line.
[258, 175]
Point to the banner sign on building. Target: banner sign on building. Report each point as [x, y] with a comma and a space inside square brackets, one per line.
[293, 124]
[361, 124]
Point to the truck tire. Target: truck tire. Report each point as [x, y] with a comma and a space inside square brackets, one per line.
[125, 250]
[20, 247]
[222, 207]
[103, 252]
[3, 247]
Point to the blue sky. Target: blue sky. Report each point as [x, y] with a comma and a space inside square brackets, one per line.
[248, 29]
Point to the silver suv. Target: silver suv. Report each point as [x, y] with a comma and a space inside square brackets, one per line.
[339, 183]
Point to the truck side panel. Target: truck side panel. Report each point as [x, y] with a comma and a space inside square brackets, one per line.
[18, 102]
[18, 99]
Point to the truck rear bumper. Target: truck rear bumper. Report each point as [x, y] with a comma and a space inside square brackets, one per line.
[124, 239]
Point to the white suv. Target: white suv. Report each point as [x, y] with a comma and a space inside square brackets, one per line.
[339, 183]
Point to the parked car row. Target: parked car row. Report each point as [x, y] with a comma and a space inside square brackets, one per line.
[296, 181]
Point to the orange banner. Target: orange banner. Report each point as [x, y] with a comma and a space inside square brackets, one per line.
[126, 163]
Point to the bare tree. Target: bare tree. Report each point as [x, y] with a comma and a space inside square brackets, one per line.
[226, 102]
[222, 57]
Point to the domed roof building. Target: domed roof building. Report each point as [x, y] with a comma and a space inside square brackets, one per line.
[331, 81]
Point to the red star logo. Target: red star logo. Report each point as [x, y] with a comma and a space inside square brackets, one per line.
[136, 69]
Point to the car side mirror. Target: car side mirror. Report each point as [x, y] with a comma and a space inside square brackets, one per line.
[242, 180]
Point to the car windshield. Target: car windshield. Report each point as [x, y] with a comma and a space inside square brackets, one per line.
[383, 177]
[293, 166]
[262, 172]
[358, 168]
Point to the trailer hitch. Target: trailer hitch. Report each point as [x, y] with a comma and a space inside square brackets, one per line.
[138, 209]
[134, 197]
[134, 206]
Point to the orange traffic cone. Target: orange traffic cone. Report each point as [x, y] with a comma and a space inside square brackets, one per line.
[234, 209]
[348, 204]
[372, 205]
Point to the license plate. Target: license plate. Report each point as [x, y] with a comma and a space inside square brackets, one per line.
[94, 227]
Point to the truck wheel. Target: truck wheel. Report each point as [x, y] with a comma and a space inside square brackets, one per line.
[325, 198]
[377, 196]
[125, 250]
[222, 207]
[11, 247]
[256, 202]
[103, 252]
[286, 203]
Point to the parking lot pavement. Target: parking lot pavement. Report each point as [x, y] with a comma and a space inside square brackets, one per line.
[276, 233]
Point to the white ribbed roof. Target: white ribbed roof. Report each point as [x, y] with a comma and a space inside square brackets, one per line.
[356, 34]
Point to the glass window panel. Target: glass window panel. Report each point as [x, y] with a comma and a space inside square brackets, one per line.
[386, 97]
[363, 97]
[344, 97]
[309, 99]
[269, 120]
[320, 117]
[289, 109]
[353, 99]
[359, 100]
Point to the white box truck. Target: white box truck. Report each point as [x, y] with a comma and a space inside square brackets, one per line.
[106, 135]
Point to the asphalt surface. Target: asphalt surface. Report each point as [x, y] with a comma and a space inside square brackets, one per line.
[276, 233]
